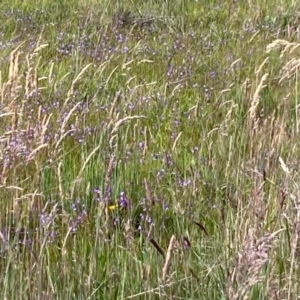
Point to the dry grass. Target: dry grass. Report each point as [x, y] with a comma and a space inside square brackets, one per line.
[248, 265]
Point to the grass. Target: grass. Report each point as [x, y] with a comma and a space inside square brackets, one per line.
[149, 150]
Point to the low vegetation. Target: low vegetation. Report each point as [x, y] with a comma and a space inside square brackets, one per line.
[149, 150]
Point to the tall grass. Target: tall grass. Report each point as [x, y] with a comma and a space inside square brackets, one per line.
[149, 150]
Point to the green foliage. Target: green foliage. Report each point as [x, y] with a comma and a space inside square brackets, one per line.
[125, 123]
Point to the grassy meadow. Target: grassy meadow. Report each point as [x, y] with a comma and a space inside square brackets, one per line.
[149, 149]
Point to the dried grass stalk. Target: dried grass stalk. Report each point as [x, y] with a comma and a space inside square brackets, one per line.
[255, 101]
[277, 44]
[63, 126]
[248, 264]
[259, 69]
[35, 151]
[149, 194]
[120, 122]
[167, 264]
[78, 77]
[83, 168]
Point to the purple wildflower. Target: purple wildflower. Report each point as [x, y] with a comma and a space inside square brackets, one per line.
[123, 200]
[185, 183]
[97, 190]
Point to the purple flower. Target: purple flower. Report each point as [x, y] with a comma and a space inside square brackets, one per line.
[97, 190]
[170, 71]
[185, 183]
[46, 219]
[168, 159]
[79, 220]
[130, 106]
[176, 122]
[123, 200]
[195, 149]
[149, 220]
[125, 49]
[141, 145]
[161, 173]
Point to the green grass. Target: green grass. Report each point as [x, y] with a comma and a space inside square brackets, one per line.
[177, 110]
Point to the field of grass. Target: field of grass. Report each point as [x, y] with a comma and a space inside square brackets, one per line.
[149, 149]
